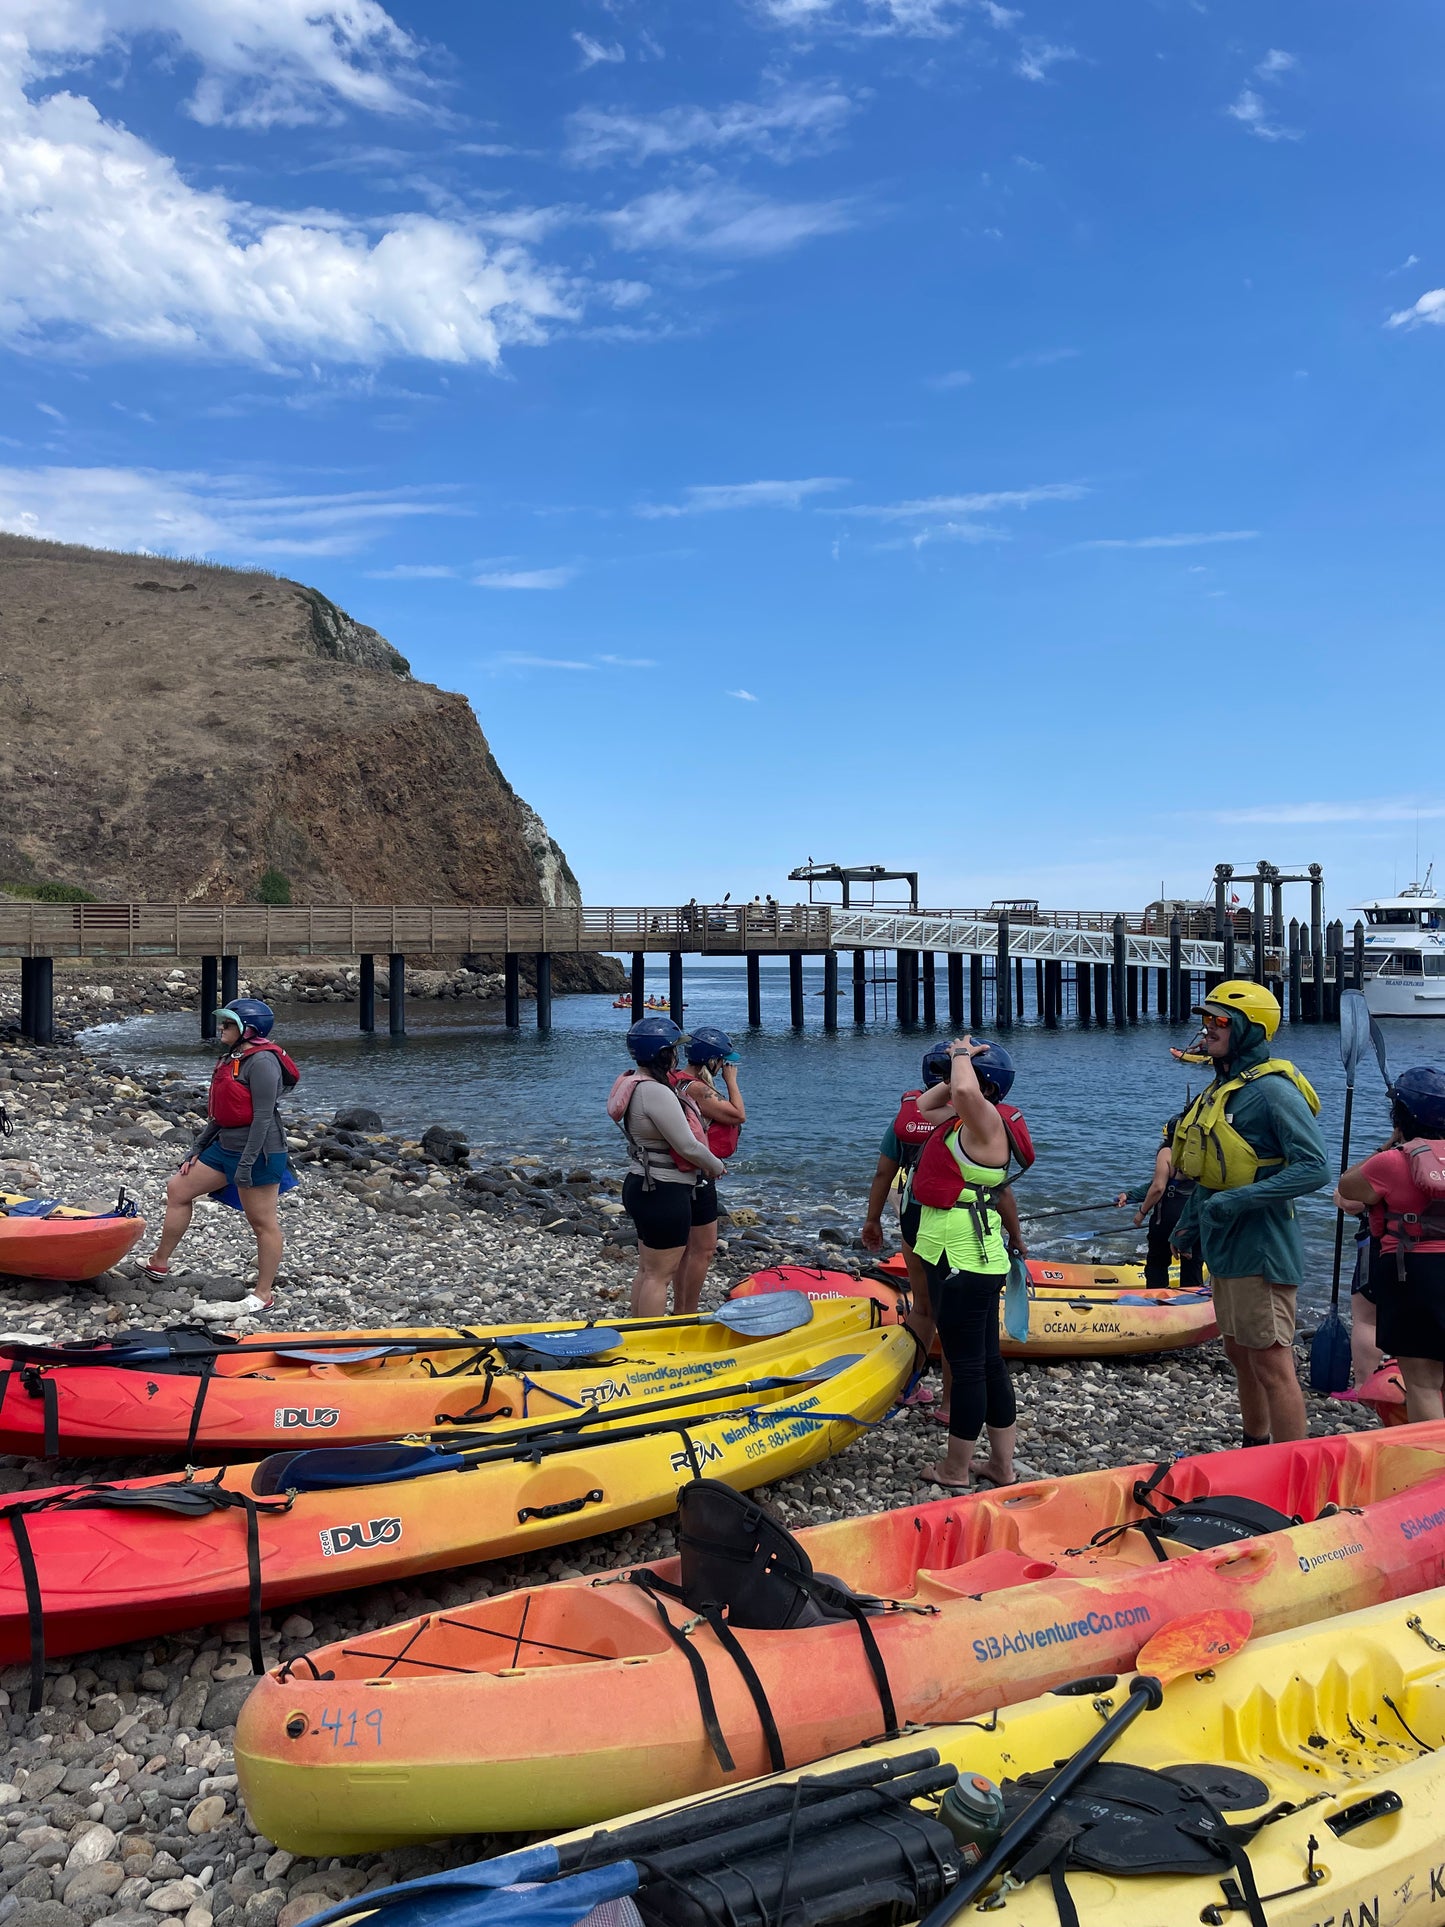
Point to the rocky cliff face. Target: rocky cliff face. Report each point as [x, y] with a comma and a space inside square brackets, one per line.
[180, 731]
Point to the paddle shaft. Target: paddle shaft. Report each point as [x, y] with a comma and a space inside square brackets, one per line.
[1339, 1215]
[1145, 1693]
[1067, 1210]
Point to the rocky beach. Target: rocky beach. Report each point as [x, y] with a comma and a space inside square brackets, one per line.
[118, 1801]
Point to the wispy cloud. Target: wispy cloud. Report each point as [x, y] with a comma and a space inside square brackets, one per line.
[1275, 63]
[741, 695]
[955, 378]
[411, 572]
[783, 125]
[714, 498]
[1036, 57]
[628, 662]
[512, 659]
[557, 578]
[981, 503]
[1410, 261]
[1254, 113]
[1204, 539]
[1043, 357]
[598, 52]
[1430, 308]
[1392, 810]
[719, 218]
[927, 19]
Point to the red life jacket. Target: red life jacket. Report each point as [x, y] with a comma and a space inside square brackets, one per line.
[937, 1180]
[1020, 1143]
[912, 1129]
[721, 1139]
[230, 1102]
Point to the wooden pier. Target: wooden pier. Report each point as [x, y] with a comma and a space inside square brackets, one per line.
[1098, 966]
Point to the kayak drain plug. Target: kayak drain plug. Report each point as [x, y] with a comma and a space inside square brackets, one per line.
[295, 1726]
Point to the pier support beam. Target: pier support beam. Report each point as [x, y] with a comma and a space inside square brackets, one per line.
[975, 993]
[210, 995]
[1131, 992]
[27, 997]
[1296, 986]
[1120, 973]
[1228, 949]
[1317, 944]
[544, 990]
[1357, 956]
[639, 985]
[42, 1000]
[1003, 1015]
[1337, 948]
[1144, 989]
[1161, 992]
[755, 989]
[1053, 991]
[512, 990]
[930, 989]
[1039, 988]
[795, 988]
[1019, 988]
[1176, 972]
[905, 986]
[1084, 992]
[955, 990]
[830, 990]
[366, 994]
[860, 986]
[1101, 993]
[674, 986]
[230, 979]
[396, 994]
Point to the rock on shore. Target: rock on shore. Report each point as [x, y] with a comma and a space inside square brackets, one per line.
[118, 1801]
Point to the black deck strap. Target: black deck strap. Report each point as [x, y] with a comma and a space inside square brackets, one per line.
[1144, 1488]
[208, 1366]
[34, 1609]
[50, 1416]
[253, 1582]
[731, 1645]
[1063, 1900]
[5, 1378]
[707, 1706]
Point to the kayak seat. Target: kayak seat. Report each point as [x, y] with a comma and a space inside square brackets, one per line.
[990, 1572]
[32, 1207]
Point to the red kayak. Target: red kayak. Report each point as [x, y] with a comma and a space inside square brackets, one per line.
[42, 1238]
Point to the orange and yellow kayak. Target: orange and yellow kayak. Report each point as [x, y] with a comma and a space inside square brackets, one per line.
[43, 1239]
[564, 1704]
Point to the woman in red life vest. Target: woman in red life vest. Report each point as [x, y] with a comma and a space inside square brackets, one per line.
[708, 1052]
[242, 1143]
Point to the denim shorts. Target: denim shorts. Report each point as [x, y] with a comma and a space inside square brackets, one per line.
[268, 1170]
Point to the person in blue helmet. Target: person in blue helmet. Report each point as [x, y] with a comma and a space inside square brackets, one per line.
[709, 1052]
[242, 1142]
[1403, 1186]
[668, 1155]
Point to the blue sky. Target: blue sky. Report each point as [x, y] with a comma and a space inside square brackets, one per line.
[999, 440]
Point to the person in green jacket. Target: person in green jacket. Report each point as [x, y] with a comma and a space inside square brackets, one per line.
[1251, 1141]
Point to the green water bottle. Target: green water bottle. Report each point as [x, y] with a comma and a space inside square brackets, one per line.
[972, 1810]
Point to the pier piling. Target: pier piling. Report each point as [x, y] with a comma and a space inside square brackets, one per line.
[639, 984]
[544, 990]
[230, 979]
[366, 994]
[795, 988]
[755, 989]
[1003, 1015]
[1296, 985]
[1357, 963]
[395, 993]
[930, 989]
[27, 997]
[975, 993]
[512, 989]
[955, 990]
[1119, 973]
[1176, 972]
[210, 995]
[860, 987]
[830, 989]
[1084, 992]
[1101, 993]
[42, 1000]
[674, 986]
[1053, 992]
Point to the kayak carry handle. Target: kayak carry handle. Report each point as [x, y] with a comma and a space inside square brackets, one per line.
[561, 1509]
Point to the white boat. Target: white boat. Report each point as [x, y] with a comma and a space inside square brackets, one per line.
[1405, 952]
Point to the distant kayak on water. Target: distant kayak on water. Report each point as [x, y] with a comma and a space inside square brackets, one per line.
[648, 1003]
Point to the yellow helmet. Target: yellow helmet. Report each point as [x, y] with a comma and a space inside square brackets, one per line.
[1252, 1001]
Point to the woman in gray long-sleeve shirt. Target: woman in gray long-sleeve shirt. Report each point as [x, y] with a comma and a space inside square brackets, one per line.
[665, 1160]
[242, 1142]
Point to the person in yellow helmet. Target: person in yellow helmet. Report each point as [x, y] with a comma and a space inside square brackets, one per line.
[1251, 1143]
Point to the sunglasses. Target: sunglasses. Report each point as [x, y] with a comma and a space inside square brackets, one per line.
[1213, 1022]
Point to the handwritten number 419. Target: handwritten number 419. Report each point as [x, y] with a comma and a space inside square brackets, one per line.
[343, 1722]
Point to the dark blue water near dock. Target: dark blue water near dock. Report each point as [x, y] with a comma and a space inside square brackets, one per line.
[817, 1103]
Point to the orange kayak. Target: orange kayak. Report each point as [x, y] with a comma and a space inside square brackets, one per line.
[1383, 1391]
[559, 1705]
[41, 1238]
[179, 1390]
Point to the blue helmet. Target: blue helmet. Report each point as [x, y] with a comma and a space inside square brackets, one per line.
[649, 1037]
[706, 1043]
[1421, 1092]
[937, 1064]
[993, 1065]
[250, 1016]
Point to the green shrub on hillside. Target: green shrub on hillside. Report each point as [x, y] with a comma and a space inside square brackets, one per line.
[48, 892]
[274, 887]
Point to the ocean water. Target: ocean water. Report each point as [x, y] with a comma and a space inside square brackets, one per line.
[817, 1103]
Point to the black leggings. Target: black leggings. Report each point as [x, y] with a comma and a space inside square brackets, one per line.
[1162, 1220]
[965, 1304]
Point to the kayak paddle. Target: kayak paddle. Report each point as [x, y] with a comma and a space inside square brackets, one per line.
[1192, 1645]
[1330, 1348]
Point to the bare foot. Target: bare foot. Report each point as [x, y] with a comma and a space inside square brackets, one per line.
[935, 1475]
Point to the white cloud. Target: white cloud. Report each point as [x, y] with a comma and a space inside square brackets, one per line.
[1430, 308]
[45, 409]
[967, 505]
[595, 52]
[1275, 63]
[933, 19]
[194, 513]
[715, 217]
[104, 239]
[955, 378]
[412, 572]
[1254, 113]
[710, 498]
[1037, 56]
[509, 660]
[741, 695]
[1399, 810]
[1171, 541]
[525, 579]
[261, 61]
[787, 123]
[628, 662]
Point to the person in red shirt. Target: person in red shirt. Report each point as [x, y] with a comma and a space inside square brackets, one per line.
[1406, 1180]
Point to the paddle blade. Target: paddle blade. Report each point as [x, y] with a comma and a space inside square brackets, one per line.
[1193, 1645]
[767, 1316]
[1377, 1038]
[343, 1466]
[1330, 1355]
[589, 1343]
[1354, 1030]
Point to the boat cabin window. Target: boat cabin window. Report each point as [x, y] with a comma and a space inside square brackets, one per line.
[1435, 964]
[1395, 918]
[1404, 963]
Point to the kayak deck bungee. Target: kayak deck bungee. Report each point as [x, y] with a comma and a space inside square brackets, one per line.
[43, 1238]
[1113, 1317]
[564, 1704]
[110, 1566]
[215, 1393]
[1324, 1747]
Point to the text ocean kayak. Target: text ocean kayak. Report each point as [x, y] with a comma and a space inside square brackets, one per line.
[110, 1566]
[1324, 1746]
[159, 1391]
[565, 1704]
[42, 1238]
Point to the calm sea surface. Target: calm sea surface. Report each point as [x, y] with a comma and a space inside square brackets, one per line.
[817, 1104]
